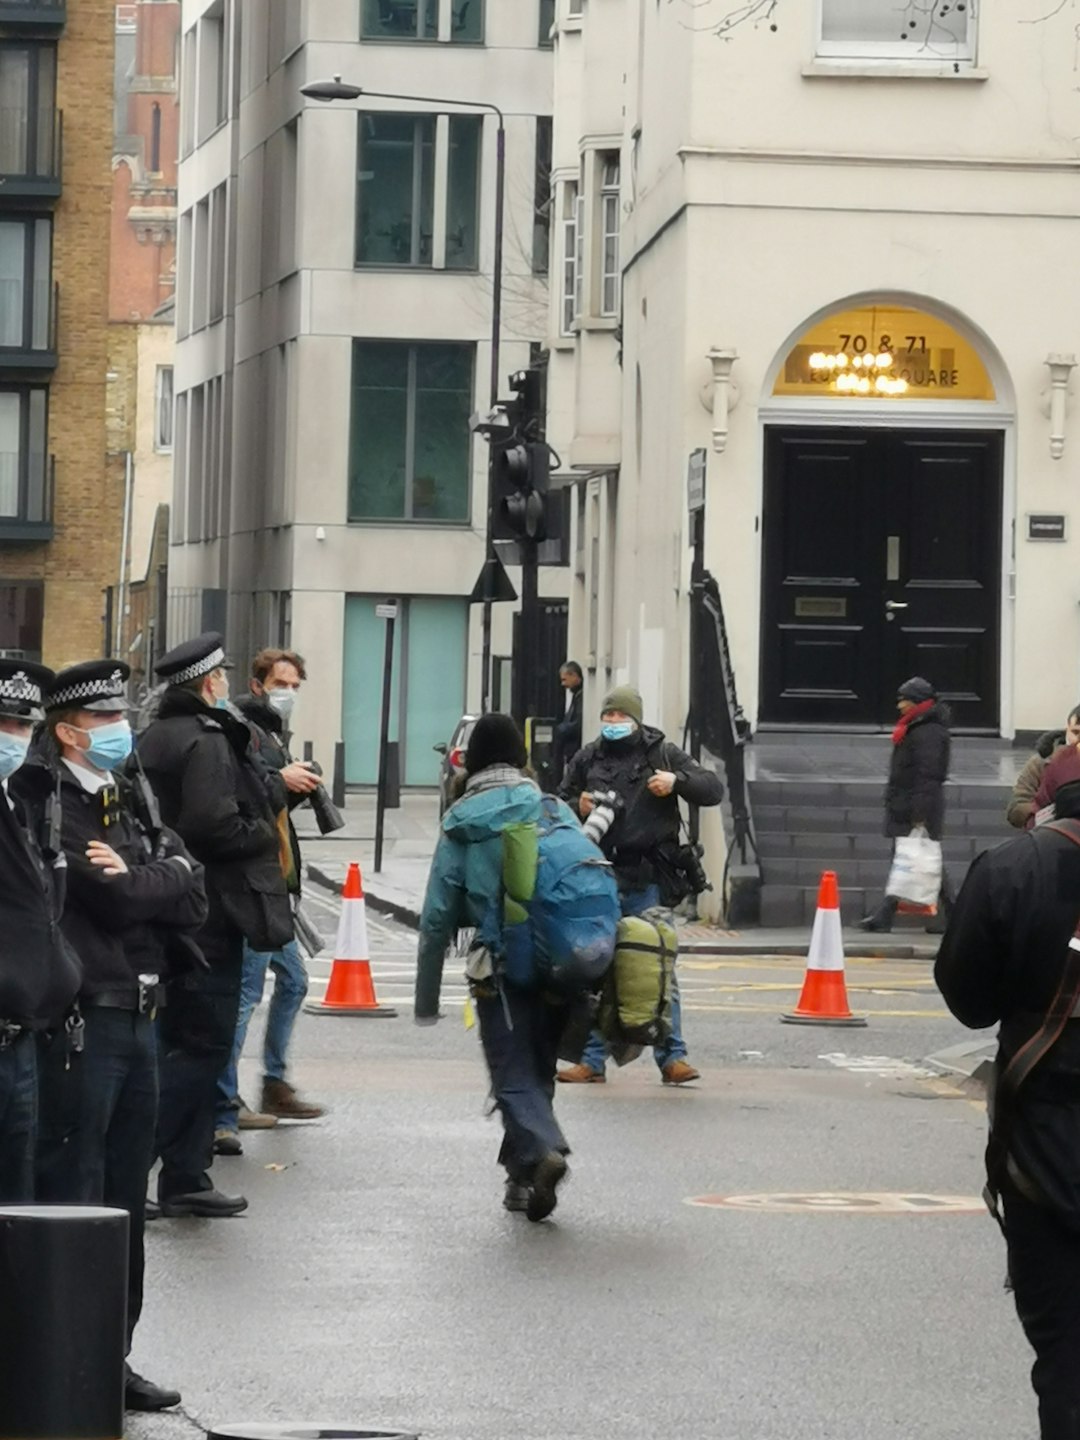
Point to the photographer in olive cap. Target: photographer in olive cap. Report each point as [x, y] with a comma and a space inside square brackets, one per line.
[648, 776]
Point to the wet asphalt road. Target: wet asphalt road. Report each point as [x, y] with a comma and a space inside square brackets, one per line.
[376, 1282]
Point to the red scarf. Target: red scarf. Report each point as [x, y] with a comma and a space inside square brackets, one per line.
[908, 718]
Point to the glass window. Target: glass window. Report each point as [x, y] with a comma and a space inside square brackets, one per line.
[467, 20]
[25, 283]
[27, 109]
[163, 408]
[462, 192]
[400, 20]
[22, 453]
[610, 278]
[888, 30]
[579, 253]
[547, 21]
[410, 447]
[541, 252]
[22, 613]
[12, 283]
[575, 7]
[10, 452]
[569, 255]
[395, 192]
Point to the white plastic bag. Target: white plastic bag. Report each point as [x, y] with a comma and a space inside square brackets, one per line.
[915, 875]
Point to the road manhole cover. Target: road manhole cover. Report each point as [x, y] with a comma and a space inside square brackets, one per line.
[847, 1203]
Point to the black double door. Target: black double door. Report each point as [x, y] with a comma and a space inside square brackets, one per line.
[882, 560]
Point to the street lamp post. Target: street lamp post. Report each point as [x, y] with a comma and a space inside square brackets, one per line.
[337, 89]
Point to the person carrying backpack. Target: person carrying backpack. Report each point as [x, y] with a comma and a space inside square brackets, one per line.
[521, 1015]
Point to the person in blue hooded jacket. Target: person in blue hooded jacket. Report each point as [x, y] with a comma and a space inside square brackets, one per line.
[519, 1027]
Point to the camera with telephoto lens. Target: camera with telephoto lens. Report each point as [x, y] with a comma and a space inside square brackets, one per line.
[606, 805]
[327, 815]
[688, 860]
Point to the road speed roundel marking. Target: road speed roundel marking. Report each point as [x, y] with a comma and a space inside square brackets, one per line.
[846, 1202]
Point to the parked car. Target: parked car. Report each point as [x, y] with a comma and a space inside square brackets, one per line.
[453, 762]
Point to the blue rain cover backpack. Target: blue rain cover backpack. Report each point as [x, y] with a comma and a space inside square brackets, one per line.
[560, 905]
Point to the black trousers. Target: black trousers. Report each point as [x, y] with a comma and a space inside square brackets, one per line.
[18, 1121]
[96, 1125]
[196, 1030]
[1044, 1263]
[520, 1042]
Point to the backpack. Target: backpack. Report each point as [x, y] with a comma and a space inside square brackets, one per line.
[560, 905]
[635, 1003]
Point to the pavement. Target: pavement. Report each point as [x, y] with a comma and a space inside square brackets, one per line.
[376, 1284]
[410, 834]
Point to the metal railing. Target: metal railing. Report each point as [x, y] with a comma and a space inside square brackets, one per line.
[725, 731]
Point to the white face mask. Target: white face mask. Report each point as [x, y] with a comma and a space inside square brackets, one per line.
[281, 701]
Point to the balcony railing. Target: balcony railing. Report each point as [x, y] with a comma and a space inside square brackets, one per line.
[28, 334]
[26, 501]
[31, 153]
[47, 15]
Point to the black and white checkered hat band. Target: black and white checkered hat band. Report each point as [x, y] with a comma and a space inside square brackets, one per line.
[20, 688]
[213, 661]
[110, 689]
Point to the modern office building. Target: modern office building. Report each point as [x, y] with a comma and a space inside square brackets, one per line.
[334, 307]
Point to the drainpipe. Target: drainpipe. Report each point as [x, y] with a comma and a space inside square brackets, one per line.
[125, 538]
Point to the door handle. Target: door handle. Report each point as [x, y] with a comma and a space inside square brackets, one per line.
[896, 604]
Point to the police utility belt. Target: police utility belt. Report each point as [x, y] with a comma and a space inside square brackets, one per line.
[145, 999]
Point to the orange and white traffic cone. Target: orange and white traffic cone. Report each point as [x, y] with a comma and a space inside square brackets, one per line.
[351, 990]
[824, 994]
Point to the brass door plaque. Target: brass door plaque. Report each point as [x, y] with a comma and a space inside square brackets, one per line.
[820, 607]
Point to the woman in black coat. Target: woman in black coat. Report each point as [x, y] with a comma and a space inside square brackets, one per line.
[915, 790]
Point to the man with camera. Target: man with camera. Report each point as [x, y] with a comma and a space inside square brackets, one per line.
[276, 678]
[638, 777]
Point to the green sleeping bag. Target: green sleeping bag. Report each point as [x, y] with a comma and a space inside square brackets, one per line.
[635, 1002]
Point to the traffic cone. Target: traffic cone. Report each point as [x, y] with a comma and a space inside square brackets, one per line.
[351, 990]
[824, 995]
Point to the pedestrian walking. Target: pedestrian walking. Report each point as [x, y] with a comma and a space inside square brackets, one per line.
[643, 777]
[198, 757]
[1011, 957]
[915, 790]
[519, 1026]
[567, 737]
[1021, 805]
[127, 885]
[276, 680]
[39, 973]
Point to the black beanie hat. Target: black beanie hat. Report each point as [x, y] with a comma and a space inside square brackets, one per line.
[495, 740]
[916, 690]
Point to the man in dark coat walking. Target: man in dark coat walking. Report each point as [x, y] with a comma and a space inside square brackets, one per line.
[567, 736]
[39, 974]
[197, 755]
[1009, 957]
[915, 790]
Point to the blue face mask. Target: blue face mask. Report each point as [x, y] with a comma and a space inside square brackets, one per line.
[13, 750]
[110, 745]
[620, 731]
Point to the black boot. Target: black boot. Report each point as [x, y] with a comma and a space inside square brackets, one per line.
[880, 920]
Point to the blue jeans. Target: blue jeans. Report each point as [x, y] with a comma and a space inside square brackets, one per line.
[636, 902]
[520, 1036]
[290, 987]
[18, 1121]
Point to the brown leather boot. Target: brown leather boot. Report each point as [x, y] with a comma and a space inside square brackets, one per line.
[280, 1099]
[581, 1075]
[679, 1072]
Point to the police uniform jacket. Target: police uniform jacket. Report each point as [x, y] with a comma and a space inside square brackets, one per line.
[39, 973]
[271, 751]
[211, 792]
[119, 922]
[646, 822]
[1000, 963]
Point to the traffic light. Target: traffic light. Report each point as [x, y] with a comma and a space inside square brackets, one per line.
[520, 463]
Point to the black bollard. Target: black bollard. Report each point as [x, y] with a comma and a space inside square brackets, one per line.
[63, 1322]
[304, 1431]
[337, 794]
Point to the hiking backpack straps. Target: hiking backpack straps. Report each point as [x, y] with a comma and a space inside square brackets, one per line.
[1034, 1050]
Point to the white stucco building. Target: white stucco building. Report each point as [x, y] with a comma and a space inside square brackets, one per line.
[333, 322]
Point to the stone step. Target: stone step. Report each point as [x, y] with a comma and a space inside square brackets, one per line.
[785, 906]
[834, 794]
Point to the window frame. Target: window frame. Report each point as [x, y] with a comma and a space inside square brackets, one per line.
[163, 446]
[35, 330]
[39, 136]
[27, 588]
[896, 53]
[567, 232]
[543, 194]
[546, 10]
[420, 121]
[25, 480]
[408, 517]
[445, 13]
[609, 227]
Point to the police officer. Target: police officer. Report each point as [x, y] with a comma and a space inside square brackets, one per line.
[197, 755]
[648, 776]
[125, 887]
[39, 975]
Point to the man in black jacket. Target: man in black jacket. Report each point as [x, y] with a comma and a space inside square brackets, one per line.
[276, 678]
[197, 755]
[39, 975]
[1004, 960]
[648, 776]
[915, 790]
[567, 736]
[126, 888]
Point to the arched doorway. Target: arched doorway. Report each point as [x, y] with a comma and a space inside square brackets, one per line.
[881, 521]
